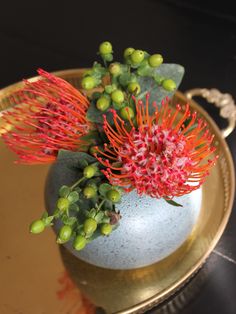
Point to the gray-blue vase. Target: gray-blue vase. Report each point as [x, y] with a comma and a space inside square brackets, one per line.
[149, 230]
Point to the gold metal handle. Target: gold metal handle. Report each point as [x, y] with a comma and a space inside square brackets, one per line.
[224, 101]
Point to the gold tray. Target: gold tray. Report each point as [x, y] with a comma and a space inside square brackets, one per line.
[34, 272]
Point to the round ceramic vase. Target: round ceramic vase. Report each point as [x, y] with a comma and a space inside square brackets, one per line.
[149, 230]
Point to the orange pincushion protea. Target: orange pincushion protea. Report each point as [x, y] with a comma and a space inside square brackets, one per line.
[161, 157]
[53, 117]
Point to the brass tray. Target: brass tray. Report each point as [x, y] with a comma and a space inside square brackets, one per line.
[37, 277]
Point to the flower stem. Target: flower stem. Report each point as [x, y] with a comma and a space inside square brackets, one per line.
[105, 63]
[77, 182]
[129, 68]
[100, 205]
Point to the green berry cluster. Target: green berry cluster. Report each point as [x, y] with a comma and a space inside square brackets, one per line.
[85, 209]
[121, 80]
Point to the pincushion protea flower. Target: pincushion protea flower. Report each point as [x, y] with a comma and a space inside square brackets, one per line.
[52, 116]
[161, 157]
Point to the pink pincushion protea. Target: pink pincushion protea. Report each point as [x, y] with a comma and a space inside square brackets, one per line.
[52, 117]
[161, 157]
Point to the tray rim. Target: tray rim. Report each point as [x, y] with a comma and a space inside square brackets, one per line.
[156, 299]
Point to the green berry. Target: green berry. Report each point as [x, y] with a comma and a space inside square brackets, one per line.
[113, 195]
[127, 113]
[63, 204]
[79, 243]
[134, 88]
[117, 96]
[128, 52]
[90, 225]
[115, 69]
[155, 60]
[105, 47]
[89, 192]
[169, 85]
[88, 73]
[106, 229]
[89, 171]
[110, 88]
[37, 226]
[137, 56]
[107, 57]
[93, 185]
[103, 103]
[64, 234]
[88, 82]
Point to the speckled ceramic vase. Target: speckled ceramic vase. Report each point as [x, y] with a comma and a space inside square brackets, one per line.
[149, 230]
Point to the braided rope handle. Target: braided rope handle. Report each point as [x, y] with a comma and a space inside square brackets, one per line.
[224, 101]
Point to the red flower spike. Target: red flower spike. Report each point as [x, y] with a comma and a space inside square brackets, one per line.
[51, 115]
[161, 157]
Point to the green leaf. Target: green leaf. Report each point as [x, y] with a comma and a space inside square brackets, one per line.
[99, 216]
[64, 191]
[98, 81]
[94, 182]
[78, 189]
[119, 106]
[145, 70]
[73, 197]
[88, 73]
[71, 221]
[86, 213]
[47, 221]
[64, 219]
[110, 88]
[107, 57]
[124, 79]
[171, 202]
[74, 207]
[68, 220]
[105, 220]
[44, 215]
[92, 137]
[95, 115]
[79, 229]
[83, 163]
[99, 69]
[158, 79]
[109, 205]
[157, 92]
[92, 213]
[114, 81]
[104, 188]
[57, 213]
[86, 205]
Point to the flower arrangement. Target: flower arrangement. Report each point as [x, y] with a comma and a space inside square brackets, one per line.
[125, 134]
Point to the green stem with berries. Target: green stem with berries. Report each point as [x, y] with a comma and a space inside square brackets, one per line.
[77, 183]
[100, 205]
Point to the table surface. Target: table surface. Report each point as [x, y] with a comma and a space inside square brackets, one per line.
[61, 35]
